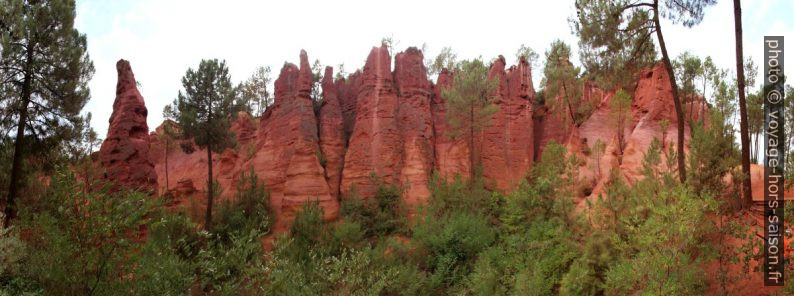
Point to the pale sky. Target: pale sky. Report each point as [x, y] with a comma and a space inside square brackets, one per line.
[163, 38]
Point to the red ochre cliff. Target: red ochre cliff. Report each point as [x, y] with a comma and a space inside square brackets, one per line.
[383, 126]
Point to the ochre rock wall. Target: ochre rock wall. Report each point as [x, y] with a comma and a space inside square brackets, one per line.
[383, 126]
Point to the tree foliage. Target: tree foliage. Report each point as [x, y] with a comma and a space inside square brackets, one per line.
[206, 104]
[446, 59]
[528, 54]
[562, 86]
[616, 38]
[469, 101]
[204, 111]
[254, 92]
[44, 72]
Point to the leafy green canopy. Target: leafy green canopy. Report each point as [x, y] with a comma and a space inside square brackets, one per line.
[562, 86]
[44, 72]
[44, 67]
[254, 94]
[616, 40]
[446, 59]
[206, 106]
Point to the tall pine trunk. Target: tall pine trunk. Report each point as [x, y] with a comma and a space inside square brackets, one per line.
[743, 124]
[16, 166]
[679, 113]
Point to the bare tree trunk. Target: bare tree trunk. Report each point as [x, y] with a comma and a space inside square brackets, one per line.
[743, 124]
[676, 99]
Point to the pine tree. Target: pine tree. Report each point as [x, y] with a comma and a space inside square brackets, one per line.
[469, 102]
[204, 111]
[615, 36]
[44, 71]
[561, 83]
[688, 67]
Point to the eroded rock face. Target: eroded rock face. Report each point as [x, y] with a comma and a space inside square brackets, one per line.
[283, 150]
[508, 145]
[379, 126]
[288, 155]
[125, 152]
[416, 124]
[347, 92]
[653, 103]
[452, 155]
[374, 151]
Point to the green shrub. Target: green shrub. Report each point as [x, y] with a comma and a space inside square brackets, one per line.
[249, 210]
[453, 242]
[13, 255]
[586, 274]
[461, 196]
[84, 242]
[379, 216]
[165, 266]
[712, 156]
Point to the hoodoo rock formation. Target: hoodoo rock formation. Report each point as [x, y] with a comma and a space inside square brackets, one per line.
[288, 154]
[374, 152]
[382, 127]
[507, 149]
[415, 123]
[124, 154]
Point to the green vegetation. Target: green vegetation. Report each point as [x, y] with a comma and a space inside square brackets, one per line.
[44, 72]
[562, 86]
[649, 230]
[616, 40]
[254, 94]
[447, 59]
[74, 242]
[636, 239]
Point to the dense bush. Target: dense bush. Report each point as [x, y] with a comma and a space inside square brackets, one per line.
[248, 210]
[452, 243]
[79, 242]
[382, 215]
[84, 242]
